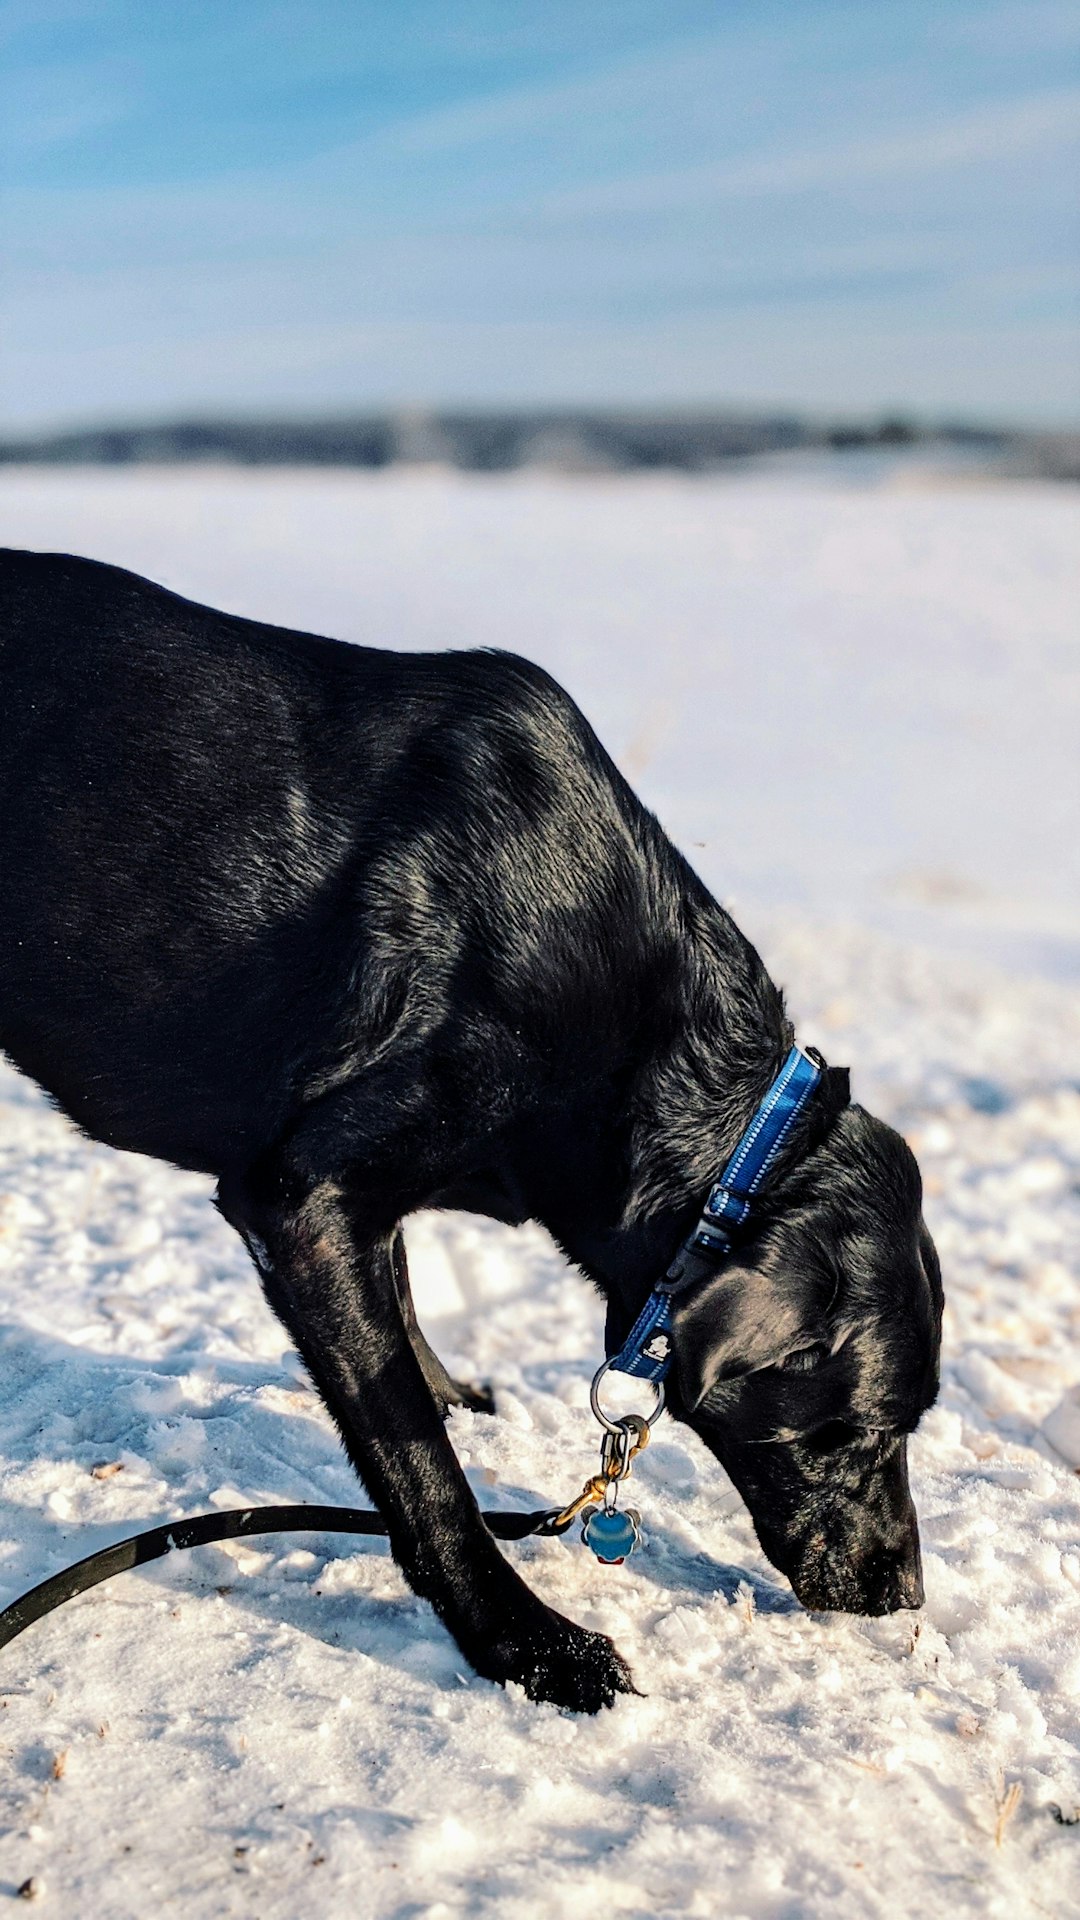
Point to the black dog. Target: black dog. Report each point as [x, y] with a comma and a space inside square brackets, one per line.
[358, 932]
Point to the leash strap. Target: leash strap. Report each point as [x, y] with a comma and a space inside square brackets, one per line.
[646, 1351]
[237, 1523]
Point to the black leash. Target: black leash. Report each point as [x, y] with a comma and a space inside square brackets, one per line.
[237, 1523]
[623, 1441]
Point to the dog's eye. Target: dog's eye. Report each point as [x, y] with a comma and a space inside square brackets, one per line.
[803, 1360]
[834, 1434]
[826, 1439]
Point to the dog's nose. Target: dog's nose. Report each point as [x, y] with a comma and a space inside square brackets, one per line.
[910, 1591]
[902, 1586]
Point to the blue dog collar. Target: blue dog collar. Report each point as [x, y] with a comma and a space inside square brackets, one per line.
[646, 1352]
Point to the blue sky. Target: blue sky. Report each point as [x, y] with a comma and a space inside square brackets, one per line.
[240, 204]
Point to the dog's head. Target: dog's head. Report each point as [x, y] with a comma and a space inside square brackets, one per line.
[808, 1358]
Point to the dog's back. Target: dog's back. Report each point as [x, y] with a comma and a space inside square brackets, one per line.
[164, 864]
[226, 850]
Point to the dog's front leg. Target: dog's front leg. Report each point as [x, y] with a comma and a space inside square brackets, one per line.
[333, 1283]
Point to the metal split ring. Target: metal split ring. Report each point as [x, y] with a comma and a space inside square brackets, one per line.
[616, 1426]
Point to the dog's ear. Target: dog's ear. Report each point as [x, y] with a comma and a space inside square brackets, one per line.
[741, 1320]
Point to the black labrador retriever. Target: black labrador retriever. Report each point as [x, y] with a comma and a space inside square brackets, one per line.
[358, 932]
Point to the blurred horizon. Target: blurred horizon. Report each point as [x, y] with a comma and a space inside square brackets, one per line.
[584, 441]
[818, 209]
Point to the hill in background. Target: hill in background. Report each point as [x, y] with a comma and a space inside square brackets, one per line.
[569, 440]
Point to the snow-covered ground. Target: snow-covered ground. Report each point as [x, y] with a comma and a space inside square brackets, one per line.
[867, 706]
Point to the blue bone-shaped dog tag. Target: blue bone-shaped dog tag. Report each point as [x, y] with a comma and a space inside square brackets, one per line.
[612, 1536]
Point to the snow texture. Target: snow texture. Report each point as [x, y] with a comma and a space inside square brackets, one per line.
[278, 1727]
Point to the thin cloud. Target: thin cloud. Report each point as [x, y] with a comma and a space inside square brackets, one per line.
[610, 87]
[990, 133]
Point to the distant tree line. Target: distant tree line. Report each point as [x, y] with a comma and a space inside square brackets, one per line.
[582, 440]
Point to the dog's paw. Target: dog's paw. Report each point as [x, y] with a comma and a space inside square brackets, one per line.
[448, 1394]
[477, 1395]
[565, 1665]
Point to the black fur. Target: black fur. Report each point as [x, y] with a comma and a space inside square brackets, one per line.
[358, 932]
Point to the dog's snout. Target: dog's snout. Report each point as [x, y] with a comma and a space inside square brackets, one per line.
[882, 1580]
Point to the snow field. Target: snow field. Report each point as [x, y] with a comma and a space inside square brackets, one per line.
[279, 1727]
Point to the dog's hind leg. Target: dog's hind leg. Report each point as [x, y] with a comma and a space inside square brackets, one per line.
[445, 1390]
